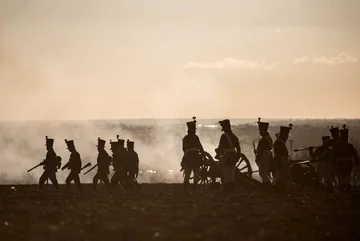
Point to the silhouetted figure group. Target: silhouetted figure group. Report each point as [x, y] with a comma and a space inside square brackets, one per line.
[124, 160]
[336, 158]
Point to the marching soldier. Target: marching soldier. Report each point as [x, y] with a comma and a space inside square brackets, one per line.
[74, 165]
[325, 167]
[283, 177]
[264, 155]
[119, 155]
[132, 167]
[103, 163]
[193, 152]
[345, 158]
[228, 152]
[51, 163]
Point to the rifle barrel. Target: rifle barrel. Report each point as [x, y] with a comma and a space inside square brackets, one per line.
[90, 169]
[34, 167]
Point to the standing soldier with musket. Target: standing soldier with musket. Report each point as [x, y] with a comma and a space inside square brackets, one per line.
[132, 166]
[264, 155]
[283, 179]
[345, 158]
[228, 152]
[103, 163]
[74, 165]
[325, 167]
[51, 163]
[193, 152]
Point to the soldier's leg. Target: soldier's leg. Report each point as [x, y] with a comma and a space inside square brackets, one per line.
[187, 173]
[196, 171]
[106, 181]
[95, 180]
[54, 181]
[69, 179]
[77, 181]
[43, 179]
[115, 179]
[264, 170]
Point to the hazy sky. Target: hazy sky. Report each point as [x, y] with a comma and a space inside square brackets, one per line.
[179, 58]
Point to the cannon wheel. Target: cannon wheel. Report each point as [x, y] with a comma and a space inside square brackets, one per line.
[206, 176]
[243, 166]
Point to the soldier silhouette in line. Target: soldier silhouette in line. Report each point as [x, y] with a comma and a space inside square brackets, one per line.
[103, 163]
[118, 156]
[192, 158]
[345, 158]
[228, 152]
[264, 155]
[51, 163]
[74, 165]
[325, 166]
[132, 165]
[283, 178]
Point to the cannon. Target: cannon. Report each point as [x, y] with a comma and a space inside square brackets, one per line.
[304, 172]
[210, 171]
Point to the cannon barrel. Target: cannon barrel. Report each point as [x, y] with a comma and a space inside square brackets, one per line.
[305, 148]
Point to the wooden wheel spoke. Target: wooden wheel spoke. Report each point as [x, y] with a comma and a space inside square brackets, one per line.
[243, 168]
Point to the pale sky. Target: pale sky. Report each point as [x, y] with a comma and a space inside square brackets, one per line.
[90, 59]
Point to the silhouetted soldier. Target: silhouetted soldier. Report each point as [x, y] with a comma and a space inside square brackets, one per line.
[103, 163]
[283, 177]
[117, 162]
[264, 155]
[345, 158]
[325, 167]
[132, 166]
[228, 153]
[51, 163]
[74, 165]
[192, 158]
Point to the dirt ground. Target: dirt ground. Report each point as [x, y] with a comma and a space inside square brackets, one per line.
[164, 212]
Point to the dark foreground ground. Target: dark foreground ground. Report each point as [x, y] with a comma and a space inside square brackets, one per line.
[164, 212]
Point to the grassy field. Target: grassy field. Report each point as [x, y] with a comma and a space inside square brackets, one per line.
[164, 212]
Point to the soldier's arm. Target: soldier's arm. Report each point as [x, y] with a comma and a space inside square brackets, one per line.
[184, 144]
[260, 149]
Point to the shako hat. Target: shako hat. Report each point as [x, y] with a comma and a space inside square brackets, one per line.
[325, 139]
[344, 133]
[49, 142]
[334, 132]
[101, 142]
[263, 126]
[120, 141]
[225, 124]
[70, 144]
[191, 125]
[285, 130]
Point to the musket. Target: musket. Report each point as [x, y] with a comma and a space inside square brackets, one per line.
[90, 169]
[294, 162]
[306, 148]
[35, 167]
[87, 165]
